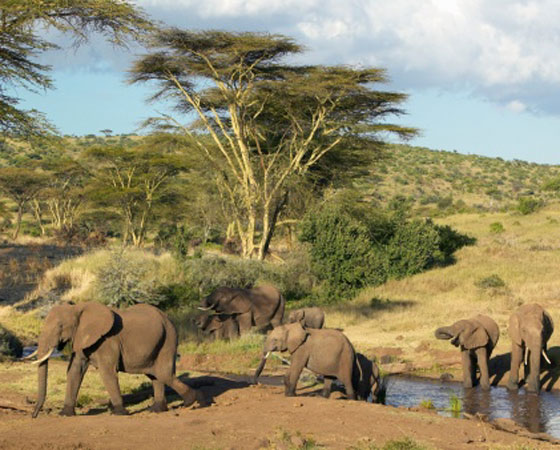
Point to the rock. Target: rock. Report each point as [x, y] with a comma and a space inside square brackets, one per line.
[446, 376]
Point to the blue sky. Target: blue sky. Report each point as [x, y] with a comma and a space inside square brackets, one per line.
[483, 77]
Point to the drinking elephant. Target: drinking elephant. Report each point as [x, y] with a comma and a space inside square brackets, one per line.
[261, 306]
[325, 352]
[366, 379]
[140, 339]
[476, 337]
[308, 317]
[218, 326]
[530, 328]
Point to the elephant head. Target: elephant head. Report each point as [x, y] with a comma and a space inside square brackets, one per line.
[83, 324]
[468, 334]
[297, 315]
[225, 300]
[281, 339]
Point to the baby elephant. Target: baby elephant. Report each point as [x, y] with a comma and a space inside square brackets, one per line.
[325, 352]
[366, 379]
[308, 317]
[476, 337]
[218, 326]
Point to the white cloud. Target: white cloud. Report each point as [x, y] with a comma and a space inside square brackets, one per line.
[516, 106]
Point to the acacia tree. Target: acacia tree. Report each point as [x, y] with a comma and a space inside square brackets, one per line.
[134, 181]
[21, 42]
[21, 185]
[270, 123]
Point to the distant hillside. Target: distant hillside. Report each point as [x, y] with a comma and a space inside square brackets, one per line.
[436, 182]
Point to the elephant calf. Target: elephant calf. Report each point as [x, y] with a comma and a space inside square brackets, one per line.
[218, 326]
[308, 317]
[530, 328]
[476, 337]
[325, 352]
[366, 379]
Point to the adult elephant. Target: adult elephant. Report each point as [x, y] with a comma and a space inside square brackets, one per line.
[312, 317]
[218, 326]
[476, 337]
[261, 306]
[325, 352]
[530, 328]
[140, 339]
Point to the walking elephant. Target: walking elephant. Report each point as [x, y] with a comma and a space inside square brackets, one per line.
[366, 379]
[308, 317]
[218, 326]
[476, 337]
[140, 339]
[325, 352]
[261, 306]
[530, 328]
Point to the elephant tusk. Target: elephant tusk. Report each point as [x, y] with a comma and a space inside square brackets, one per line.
[204, 309]
[526, 355]
[267, 355]
[546, 357]
[31, 355]
[44, 358]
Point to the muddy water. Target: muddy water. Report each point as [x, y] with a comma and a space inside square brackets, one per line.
[537, 413]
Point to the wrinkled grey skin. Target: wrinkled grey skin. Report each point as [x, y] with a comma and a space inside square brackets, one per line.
[313, 317]
[530, 328]
[261, 306]
[365, 378]
[218, 326]
[140, 339]
[476, 338]
[325, 352]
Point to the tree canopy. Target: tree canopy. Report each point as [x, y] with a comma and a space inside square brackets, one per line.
[271, 124]
[21, 42]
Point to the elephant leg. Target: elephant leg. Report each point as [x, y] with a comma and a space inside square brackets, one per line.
[347, 381]
[482, 358]
[188, 394]
[327, 385]
[245, 321]
[468, 368]
[160, 402]
[76, 370]
[110, 379]
[516, 359]
[533, 380]
[292, 376]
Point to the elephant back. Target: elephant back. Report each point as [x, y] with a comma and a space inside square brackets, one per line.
[268, 305]
[490, 326]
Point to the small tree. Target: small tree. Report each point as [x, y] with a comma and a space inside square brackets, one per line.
[270, 124]
[21, 186]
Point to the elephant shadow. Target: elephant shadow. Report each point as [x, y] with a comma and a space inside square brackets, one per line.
[211, 387]
[499, 365]
[373, 307]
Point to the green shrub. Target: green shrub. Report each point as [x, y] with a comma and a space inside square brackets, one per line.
[496, 227]
[528, 205]
[10, 345]
[491, 282]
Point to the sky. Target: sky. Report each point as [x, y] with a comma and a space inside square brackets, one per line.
[483, 77]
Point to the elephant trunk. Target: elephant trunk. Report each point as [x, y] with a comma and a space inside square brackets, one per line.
[444, 333]
[42, 387]
[261, 367]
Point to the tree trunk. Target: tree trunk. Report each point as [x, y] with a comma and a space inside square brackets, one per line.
[38, 216]
[18, 221]
[269, 226]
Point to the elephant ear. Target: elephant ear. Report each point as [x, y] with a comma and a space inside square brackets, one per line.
[95, 321]
[474, 337]
[548, 324]
[296, 336]
[514, 329]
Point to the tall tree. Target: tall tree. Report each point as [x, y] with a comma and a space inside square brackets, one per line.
[271, 123]
[21, 42]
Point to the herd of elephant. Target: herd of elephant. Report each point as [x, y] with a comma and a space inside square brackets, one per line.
[530, 328]
[142, 340]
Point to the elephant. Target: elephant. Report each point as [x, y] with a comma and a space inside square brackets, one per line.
[140, 339]
[261, 306]
[530, 328]
[326, 352]
[218, 326]
[308, 317]
[476, 337]
[365, 378]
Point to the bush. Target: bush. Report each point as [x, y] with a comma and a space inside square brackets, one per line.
[528, 205]
[491, 282]
[10, 346]
[496, 228]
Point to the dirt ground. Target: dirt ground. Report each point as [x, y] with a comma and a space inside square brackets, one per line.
[242, 416]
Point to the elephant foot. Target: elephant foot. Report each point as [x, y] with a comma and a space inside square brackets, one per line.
[120, 411]
[531, 389]
[67, 411]
[158, 407]
[290, 394]
[512, 385]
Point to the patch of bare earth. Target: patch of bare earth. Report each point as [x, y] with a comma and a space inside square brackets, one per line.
[251, 417]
